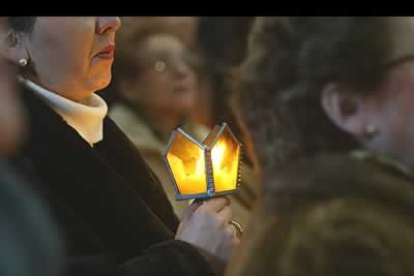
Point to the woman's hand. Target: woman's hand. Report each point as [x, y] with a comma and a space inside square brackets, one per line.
[206, 225]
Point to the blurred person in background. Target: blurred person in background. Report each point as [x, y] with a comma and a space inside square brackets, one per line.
[185, 28]
[29, 242]
[113, 212]
[222, 43]
[155, 83]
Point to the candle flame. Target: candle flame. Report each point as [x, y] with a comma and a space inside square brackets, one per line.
[225, 166]
[217, 155]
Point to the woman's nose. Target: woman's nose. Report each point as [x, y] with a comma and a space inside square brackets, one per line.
[108, 24]
[183, 70]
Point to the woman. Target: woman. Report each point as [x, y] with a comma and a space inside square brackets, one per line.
[109, 205]
[327, 84]
[27, 235]
[156, 85]
[342, 86]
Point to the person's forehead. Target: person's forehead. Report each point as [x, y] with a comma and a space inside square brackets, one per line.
[165, 41]
[183, 27]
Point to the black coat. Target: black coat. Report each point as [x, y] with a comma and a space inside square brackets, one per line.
[109, 205]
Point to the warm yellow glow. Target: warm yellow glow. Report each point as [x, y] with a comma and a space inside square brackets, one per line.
[217, 154]
[225, 158]
[189, 173]
[187, 161]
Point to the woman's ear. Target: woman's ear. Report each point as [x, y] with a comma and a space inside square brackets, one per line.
[344, 109]
[14, 49]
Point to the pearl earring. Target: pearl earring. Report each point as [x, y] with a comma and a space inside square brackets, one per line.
[371, 130]
[23, 62]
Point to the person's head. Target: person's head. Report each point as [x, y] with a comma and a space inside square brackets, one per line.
[330, 84]
[330, 216]
[154, 67]
[71, 56]
[12, 120]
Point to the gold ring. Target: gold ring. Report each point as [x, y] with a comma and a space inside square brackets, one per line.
[238, 227]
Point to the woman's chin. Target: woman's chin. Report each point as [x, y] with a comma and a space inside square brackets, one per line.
[101, 82]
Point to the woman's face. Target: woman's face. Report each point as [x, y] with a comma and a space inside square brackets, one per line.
[72, 56]
[167, 82]
[391, 111]
[390, 108]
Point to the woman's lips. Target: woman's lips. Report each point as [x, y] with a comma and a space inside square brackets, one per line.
[107, 52]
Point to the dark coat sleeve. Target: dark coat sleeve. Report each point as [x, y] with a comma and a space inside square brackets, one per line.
[111, 212]
[87, 256]
[171, 258]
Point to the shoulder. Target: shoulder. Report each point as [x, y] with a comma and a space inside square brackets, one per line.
[341, 175]
[384, 163]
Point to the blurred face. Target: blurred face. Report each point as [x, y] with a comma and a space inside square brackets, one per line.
[166, 82]
[71, 56]
[389, 109]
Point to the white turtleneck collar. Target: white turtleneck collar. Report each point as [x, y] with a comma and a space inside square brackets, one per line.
[85, 117]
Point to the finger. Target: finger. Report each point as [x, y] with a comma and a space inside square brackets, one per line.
[231, 232]
[225, 214]
[191, 209]
[215, 204]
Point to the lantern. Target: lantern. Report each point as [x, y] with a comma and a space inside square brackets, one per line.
[203, 170]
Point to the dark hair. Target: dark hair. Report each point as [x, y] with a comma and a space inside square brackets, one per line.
[22, 24]
[331, 215]
[290, 60]
[216, 30]
[218, 61]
